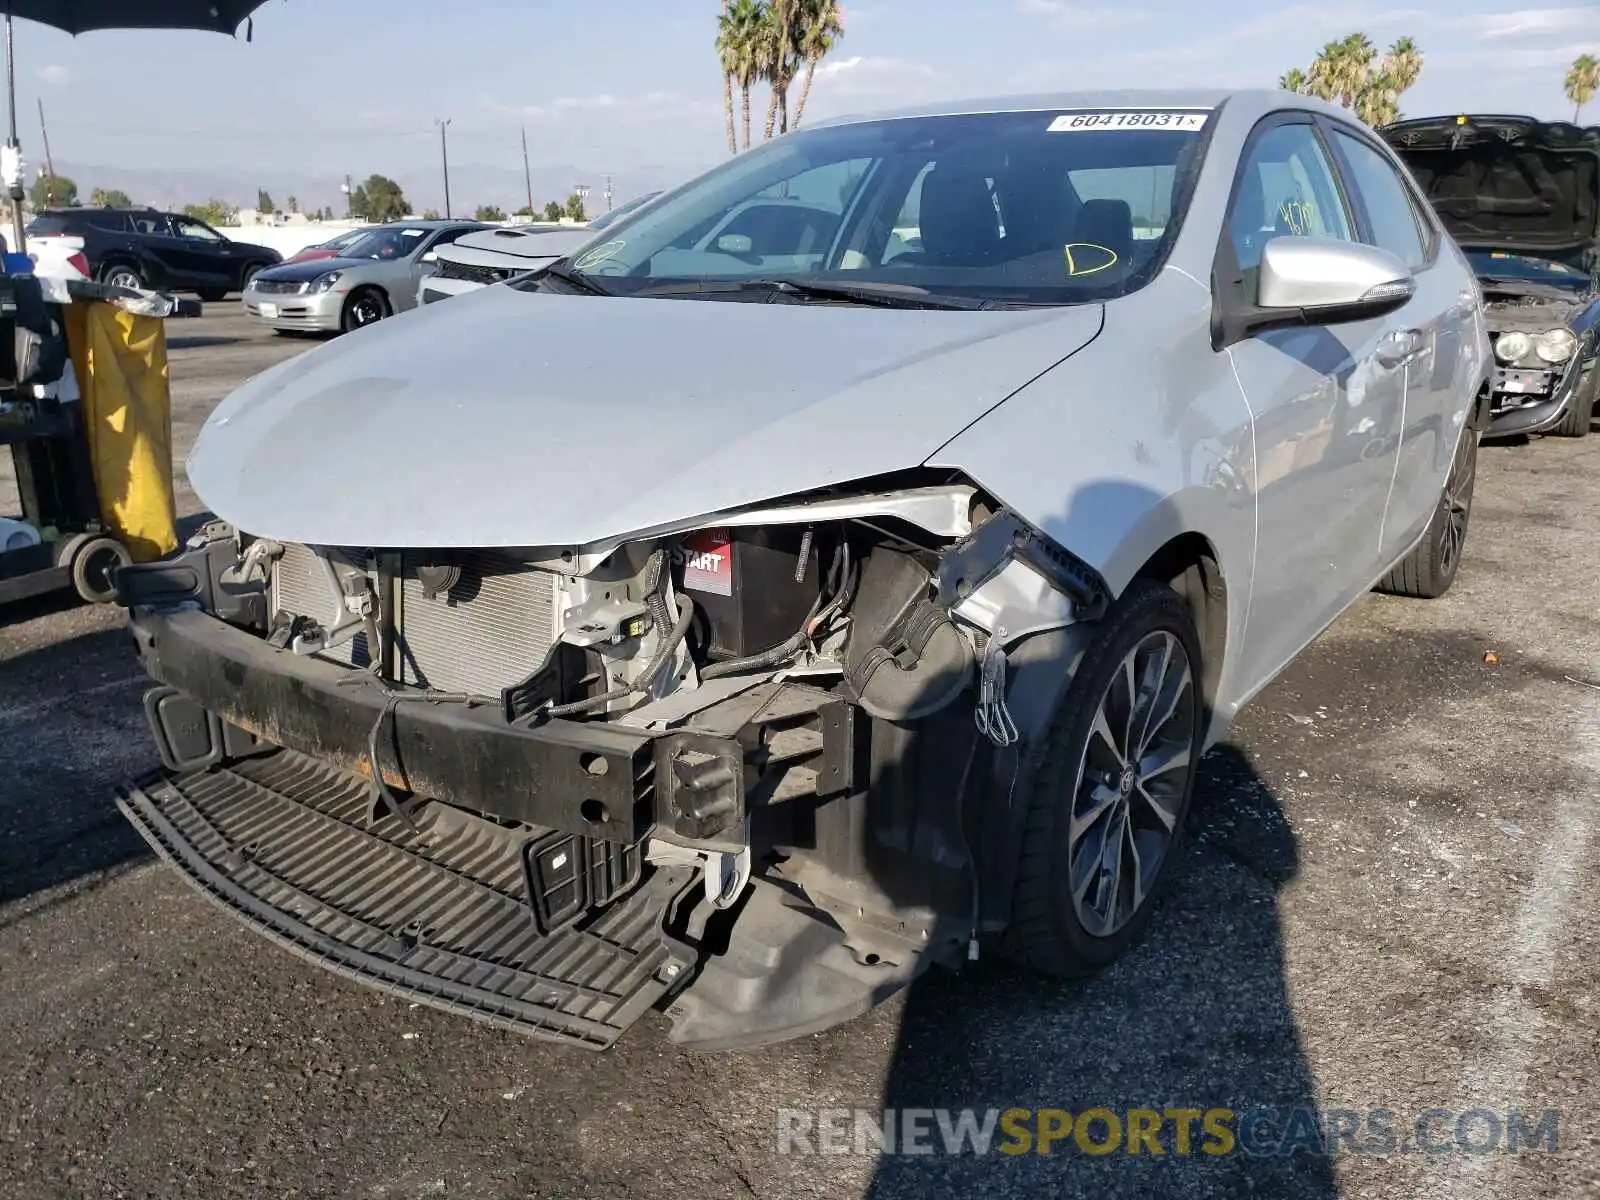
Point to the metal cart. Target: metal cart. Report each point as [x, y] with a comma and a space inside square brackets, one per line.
[55, 481]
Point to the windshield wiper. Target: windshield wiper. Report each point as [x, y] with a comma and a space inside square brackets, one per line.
[866, 294]
[576, 280]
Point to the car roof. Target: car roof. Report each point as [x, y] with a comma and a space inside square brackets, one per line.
[78, 210]
[1260, 100]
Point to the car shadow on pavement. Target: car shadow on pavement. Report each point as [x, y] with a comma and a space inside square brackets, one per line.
[73, 729]
[1196, 1017]
[201, 341]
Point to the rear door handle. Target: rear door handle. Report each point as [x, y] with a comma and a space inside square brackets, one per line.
[1399, 347]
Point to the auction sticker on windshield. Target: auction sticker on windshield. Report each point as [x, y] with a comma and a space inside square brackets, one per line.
[1084, 122]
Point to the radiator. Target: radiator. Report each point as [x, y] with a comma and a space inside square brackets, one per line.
[493, 629]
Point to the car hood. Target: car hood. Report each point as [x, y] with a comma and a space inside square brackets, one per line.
[313, 268]
[1506, 183]
[516, 247]
[516, 418]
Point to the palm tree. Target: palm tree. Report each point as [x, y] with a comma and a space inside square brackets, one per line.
[1326, 73]
[821, 27]
[1356, 53]
[777, 60]
[1582, 81]
[1403, 64]
[1343, 74]
[726, 56]
[739, 46]
[1378, 102]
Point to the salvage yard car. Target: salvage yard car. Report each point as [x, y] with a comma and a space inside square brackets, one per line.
[740, 628]
[495, 255]
[369, 279]
[142, 248]
[1522, 197]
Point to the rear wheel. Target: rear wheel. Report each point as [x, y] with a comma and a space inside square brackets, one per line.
[1105, 821]
[122, 275]
[366, 306]
[212, 295]
[1428, 571]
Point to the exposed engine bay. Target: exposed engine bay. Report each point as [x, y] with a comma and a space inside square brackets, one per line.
[741, 757]
[1537, 355]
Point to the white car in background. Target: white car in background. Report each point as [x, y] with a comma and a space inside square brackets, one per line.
[496, 255]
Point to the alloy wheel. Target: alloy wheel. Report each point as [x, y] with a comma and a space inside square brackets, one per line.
[124, 278]
[364, 310]
[1457, 503]
[1131, 783]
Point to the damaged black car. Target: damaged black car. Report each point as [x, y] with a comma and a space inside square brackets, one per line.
[1522, 198]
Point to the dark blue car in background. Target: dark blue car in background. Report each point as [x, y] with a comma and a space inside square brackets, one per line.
[1522, 199]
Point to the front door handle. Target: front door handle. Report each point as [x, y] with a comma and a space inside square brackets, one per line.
[1399, 347]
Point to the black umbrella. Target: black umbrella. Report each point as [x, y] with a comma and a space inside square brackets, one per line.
[83, 16]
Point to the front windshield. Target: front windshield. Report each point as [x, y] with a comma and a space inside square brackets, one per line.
[1028, 207]
[396, 241]
[606, 220]
[1528, 268]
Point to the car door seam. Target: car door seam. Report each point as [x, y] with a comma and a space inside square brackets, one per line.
[1255, 498]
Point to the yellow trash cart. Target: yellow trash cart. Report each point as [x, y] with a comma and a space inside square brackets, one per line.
[92, 447]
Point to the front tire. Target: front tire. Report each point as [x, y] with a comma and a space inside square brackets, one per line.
[366, 306]
[1427, 572]
[212, 295]
[1106, 814]
[1579, 417]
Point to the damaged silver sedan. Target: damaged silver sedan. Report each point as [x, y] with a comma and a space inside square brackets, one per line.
[840, 569]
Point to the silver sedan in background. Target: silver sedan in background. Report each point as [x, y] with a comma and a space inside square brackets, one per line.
[370, 279]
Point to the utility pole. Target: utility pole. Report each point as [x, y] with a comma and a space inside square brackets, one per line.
[444, 153]
[349, 200]
[49, 163]
[610, 191]
[527, 175]
[19, 236]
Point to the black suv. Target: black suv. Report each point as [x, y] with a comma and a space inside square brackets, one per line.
[140, 247]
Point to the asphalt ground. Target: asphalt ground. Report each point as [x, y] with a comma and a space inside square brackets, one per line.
[1390, 903]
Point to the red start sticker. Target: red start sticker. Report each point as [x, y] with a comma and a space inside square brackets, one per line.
[709, 566]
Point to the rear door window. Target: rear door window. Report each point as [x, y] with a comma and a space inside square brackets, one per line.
[1386, 199]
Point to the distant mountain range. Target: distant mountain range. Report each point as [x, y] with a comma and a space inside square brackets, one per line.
[470, 185]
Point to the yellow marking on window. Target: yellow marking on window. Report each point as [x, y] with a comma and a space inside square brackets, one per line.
[1073, 269]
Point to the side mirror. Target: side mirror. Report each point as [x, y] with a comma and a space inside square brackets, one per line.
[1330, 280]
[1311, 281]
[735, 243]
[431, 256]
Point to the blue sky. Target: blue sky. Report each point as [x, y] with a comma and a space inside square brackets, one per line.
[330, 86]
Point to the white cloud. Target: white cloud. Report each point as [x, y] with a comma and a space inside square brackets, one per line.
[1518, 60]
[865, 74]
[654, 105]
[1067, 12]
[54, 73]
[1531, 22]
